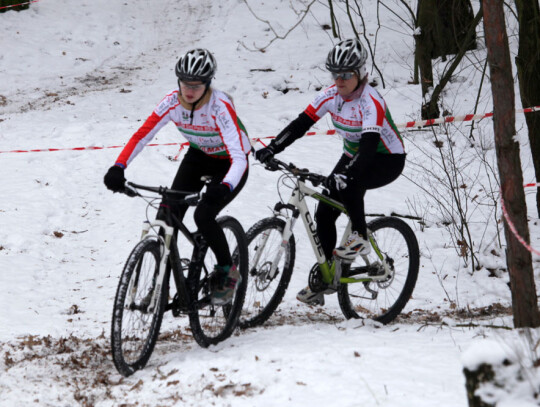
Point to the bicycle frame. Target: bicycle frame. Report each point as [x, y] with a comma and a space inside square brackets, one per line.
[170, 257]
[331, 273]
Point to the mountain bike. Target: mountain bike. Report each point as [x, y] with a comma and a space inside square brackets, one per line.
[143, 295]
[377, 285]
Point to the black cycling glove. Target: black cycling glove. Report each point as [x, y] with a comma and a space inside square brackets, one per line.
[264, 154]
[114, 179]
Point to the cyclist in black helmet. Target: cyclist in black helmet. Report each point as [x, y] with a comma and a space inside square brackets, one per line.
[373, 150]
[218, 146]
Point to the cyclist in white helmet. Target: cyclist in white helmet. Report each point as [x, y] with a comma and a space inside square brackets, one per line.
[373, 150]
[218, 146]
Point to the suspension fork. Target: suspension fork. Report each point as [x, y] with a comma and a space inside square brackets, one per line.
[165, 239]
[285, 236]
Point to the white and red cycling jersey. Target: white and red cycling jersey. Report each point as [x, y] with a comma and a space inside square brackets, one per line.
[352, 118]
[215, 129]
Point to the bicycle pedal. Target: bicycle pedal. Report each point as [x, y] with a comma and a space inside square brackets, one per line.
[314, 299]
[317, 301]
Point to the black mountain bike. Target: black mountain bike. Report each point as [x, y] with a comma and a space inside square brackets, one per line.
[377, 285]
[143, 291]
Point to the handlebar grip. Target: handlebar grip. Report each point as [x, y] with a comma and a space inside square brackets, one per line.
[192, 200]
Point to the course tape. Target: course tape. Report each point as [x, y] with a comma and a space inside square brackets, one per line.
[417, 124]
[42, 150]
[513, 227]
[447, 119]
[20, 4]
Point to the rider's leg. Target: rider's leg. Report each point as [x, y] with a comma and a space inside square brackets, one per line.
[326, 216]
[205, 219]
[188, 178]
[385, 169]
[226, 276]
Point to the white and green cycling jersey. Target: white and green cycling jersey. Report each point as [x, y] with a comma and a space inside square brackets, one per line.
[351, 118]
[214, 128]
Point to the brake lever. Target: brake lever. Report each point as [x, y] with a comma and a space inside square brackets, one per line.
[192, 200]
[271, 165]
[129, 190]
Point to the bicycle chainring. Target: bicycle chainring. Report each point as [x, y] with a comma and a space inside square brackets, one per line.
[315, 280]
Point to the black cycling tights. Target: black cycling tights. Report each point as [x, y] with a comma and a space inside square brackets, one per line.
[385, 169]
[188, 178]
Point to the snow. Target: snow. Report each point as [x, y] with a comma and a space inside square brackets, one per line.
[86, 74]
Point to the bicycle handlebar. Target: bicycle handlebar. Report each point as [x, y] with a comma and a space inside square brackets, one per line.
[188, 197]
[274, 164]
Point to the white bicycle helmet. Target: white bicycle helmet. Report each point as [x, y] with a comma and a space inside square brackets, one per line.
[348, 56]
[196, 65]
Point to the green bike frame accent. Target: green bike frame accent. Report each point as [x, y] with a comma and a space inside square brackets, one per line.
[328, 271]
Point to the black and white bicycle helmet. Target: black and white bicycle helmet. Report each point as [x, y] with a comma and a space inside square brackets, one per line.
[348, 56]
[196, 65]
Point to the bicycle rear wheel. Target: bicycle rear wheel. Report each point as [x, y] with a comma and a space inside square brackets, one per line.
[266, 288]
[383, 300]
[135, 327]
[211, 324]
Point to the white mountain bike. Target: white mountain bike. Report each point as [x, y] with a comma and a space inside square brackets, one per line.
[376, 286]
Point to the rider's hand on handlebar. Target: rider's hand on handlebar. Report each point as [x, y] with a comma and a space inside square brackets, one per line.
[336, 182]
[264, 154]
[115, 179]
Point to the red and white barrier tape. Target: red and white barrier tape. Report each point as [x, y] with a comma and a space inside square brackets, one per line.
[42, 150]
[513, 227]
[431, 122]
[20, 4]
[417, 124]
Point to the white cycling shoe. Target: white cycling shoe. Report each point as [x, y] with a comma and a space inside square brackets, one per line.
[309, 297]
[355, 245]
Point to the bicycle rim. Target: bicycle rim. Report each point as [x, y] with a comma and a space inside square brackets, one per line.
[266, 288]
[211, 324]
[135, 327]
[383, 300]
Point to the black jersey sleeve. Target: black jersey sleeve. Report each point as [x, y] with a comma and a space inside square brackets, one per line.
[365, 156]
[296, 129]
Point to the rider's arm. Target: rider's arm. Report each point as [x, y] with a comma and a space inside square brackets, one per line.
[365, 156]
[296, 129]
[235, 141]
[148, 130]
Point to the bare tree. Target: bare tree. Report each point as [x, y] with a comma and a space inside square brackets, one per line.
[443, 28]
[528, 68]
[17, 5]
[519, 261]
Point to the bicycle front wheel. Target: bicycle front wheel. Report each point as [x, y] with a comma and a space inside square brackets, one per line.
[135, 325]
[383, 300]
[211, 324]
[269, 272]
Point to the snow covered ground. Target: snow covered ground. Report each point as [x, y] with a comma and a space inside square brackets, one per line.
[86, 74]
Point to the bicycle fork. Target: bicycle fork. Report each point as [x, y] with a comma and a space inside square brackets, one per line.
[164, 255]
[285, 236]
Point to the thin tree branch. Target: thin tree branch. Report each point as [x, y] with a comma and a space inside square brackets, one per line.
[277, 36]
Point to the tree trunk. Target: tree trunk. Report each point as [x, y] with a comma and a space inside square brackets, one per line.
[445, 27]
[4, 3]
[454, 17]
[476, 378]
[426, 16]
[518, 258]
[528, 68]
